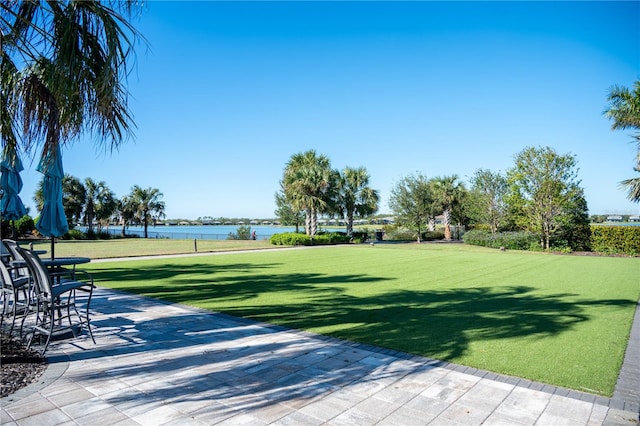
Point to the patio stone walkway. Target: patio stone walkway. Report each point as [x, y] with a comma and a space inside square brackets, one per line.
[157, 363]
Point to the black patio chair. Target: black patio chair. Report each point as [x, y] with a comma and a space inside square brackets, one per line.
[56, 301]
[15, 295]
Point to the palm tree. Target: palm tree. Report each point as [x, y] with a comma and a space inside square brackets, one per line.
[107, 205]
[624, 110]
[99, 204]
[91, 191]
[308, 183]
[355, 197]
[447, 191]
[64, 69]
[126, 212]
[148, 205]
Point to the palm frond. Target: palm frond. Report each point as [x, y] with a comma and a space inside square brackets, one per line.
[633, 187]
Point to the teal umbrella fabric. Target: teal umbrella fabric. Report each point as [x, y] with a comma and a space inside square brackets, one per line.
[11, 206]
[52, 222]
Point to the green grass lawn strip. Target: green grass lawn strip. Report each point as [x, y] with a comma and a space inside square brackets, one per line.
[126, 247]
[562, 320]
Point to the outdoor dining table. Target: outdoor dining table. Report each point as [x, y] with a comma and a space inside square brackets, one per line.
[64, 261]
[58, 264]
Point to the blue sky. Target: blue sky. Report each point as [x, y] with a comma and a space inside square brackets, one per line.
[227, 92]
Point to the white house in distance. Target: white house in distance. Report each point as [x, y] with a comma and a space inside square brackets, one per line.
[614, 218]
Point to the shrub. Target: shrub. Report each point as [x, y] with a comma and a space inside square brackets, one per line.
[394, 233]
[297, 239]
[432, 235]
[25, 225]
[74, 234]
[360, 236]
[333, 238]
[242, 233]
[290, 239]
[508, 240]
[104, 235]
[615, 239]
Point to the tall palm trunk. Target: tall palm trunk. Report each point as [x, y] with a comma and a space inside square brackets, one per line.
[146, 223]
[90, 219]
[447, 223]
[307, 222]
[432, 224]
[350, 224]
[314, 222]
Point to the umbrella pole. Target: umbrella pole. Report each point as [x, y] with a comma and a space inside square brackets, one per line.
[52, 247]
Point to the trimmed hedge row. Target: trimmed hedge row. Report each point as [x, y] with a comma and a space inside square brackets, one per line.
[604, 239]
[508, 240]
[297, 239]
[615, 239]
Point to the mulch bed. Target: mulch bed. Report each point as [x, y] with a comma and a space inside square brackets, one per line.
[19, 366]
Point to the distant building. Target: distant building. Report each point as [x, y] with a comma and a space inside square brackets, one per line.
[634, 218]
[614, 218]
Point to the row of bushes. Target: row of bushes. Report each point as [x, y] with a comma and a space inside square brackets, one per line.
[297, 239]
[509, 240]
[75, 234]
[396, 233]
[615, 239]
[604, 239]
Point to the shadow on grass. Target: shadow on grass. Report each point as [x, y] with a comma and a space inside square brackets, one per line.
[435, 323]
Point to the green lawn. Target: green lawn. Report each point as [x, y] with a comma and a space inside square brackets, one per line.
[99, 249]
[562, 320]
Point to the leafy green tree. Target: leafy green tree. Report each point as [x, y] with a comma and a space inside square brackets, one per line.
[447, 193]
[285, 210]
[575, 229]
[624, 110]
[543, 186]
[487, 200]
[148, 205]
[309, 184]
[412, 202]
[63, 71]
[355, 196]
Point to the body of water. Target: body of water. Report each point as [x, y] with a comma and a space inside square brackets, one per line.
[202, 232]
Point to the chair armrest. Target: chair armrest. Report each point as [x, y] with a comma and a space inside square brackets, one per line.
[72, 277]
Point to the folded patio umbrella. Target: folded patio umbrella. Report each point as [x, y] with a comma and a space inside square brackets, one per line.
[52, 222]
[11, 206]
